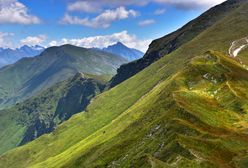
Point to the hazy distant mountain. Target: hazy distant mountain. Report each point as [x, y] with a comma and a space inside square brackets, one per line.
[29, 76]
[128, 53]
[10, 56]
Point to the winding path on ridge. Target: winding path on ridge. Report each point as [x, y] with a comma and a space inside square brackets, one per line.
[237, 46]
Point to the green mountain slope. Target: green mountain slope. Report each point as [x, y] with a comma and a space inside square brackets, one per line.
[38, 115]
[30, 76]
[190, 115]
[169, 43]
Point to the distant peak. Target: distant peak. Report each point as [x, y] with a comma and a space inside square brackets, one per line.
[39, 47]
[67, 45]
[119, 43]
[24, 46]
[78, 75]
[36, 47]
[71, 46]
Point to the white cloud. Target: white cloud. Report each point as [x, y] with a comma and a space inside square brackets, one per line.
[12, 11]
[160, 11]
[53, 43]
[182, 4]
[82, 6]
[33, 40]
[146, 22]
[104, 20]
[92, 6]
[103, 41]
[6, 40]
[191, 4]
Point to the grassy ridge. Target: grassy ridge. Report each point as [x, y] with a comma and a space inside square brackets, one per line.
[174, 127]
[171, 42]
[38, 115]
[159, 117]
[30, 76]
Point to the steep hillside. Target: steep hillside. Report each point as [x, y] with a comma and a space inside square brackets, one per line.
[173, 41]
[29, 76]
[190, 115]
[128, 53]
[41, 114]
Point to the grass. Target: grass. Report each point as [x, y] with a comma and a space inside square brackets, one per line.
[10, 132]
[171, 42]
[165, 116]
[41, 114]
[30, 76]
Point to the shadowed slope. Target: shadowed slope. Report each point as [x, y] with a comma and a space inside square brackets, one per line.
[30, 76]
[38, 115]
[165, 116]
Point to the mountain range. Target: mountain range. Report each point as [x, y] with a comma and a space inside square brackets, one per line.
[32, 75]
[128, 53]
[10, 56]
[184, 104]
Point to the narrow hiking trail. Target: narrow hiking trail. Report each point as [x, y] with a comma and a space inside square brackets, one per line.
[237, 46]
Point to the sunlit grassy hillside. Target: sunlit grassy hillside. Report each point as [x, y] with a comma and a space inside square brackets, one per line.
[189, 109]
[170, 42]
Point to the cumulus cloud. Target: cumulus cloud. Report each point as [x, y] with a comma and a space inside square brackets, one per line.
[182, 4]
[160, 11]
[33, 40]
[104, 20]
[146, 22]
[103, 41]
[12, 11]
[6, 40]
[91, 6]
[53, 43]
[190, 4]
[83, 6]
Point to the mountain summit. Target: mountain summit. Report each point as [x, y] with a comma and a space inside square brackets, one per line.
[31, 75]
[119, 48]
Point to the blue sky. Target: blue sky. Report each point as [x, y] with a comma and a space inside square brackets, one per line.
[94, 23]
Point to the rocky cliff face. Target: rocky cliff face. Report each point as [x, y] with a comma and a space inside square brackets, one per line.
[78, 97]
